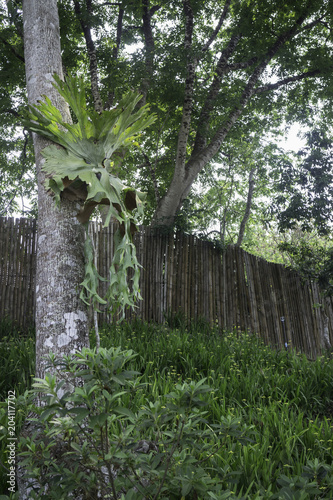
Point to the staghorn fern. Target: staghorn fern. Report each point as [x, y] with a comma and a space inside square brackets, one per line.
[83, 169]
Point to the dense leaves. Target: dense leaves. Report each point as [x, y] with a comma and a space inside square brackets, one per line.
[306, 186]
[212, 72]
[217, 75]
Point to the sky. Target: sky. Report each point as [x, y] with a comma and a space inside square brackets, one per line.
[292, 141]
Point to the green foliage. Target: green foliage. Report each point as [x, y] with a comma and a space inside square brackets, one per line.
[305, 186]
[91, 154]
[89, 444]
[17, 367]
[312, 258]
[257, 423]
[17, 179]
[129, 58]
[17, 351]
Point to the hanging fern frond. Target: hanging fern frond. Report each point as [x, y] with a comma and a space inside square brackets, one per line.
[84, 169]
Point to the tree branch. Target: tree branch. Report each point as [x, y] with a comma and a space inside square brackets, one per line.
[23, 159]
[21, 58]
[91, 53]
[199, 157]
[12, 112]
[247, 209]
[285, 81]
[109, 3]
[154, 9]
[152, 169]
[242, 65]
[309, 26]
[220, 70]
[150, 49]
[218, 27]
[188, 97]
[115, 52]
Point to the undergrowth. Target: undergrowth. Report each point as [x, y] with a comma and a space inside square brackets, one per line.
[279, 403]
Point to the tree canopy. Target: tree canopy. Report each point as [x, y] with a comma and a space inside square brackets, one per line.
[215, 73]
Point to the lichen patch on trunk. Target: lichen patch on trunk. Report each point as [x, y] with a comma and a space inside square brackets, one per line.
[72, 326]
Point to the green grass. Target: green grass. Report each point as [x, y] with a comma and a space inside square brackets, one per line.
[287, 399]
[284, 400]
[17, 358]
[17, 367]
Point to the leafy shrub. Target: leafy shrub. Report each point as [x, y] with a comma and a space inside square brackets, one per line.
[86, 443]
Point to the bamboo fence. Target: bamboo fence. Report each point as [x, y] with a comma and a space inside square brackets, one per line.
[181, 273]
[17, 269]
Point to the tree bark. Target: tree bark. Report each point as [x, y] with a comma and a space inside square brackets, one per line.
[61, 317]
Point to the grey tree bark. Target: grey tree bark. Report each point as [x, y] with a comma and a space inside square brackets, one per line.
[61, 317]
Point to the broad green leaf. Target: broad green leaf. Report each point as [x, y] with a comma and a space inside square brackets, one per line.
[85, 156]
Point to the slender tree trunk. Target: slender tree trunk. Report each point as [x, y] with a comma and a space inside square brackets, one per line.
[247, 209]
[61, 317]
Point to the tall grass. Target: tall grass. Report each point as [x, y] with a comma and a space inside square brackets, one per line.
[284, 400]
[17, 358]
[245, 372]
[17, 368]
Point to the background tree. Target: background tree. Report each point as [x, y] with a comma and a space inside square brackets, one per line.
[230, 199]
[302, 207]
[305, 186]
[210, 70]
[17, 176]
[228, 77]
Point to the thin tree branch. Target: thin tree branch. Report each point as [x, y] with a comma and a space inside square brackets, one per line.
[220, 70]
[150, 49]
[119, 32]
[311, 25]
[23, 159]
[146, 164]
[115, 52]
[285, 81]
[12, 112]
[94, 80]
[152, 169]
[109, 3]
[213, 36]
[223, 222]
[247, 209]
[157, 159]
[154, 9]
[21, 58]
[173, 449]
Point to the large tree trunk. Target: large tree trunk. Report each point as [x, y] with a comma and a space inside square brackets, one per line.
[61, 317]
